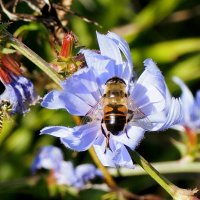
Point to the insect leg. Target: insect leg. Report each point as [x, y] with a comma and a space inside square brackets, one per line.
[126, 133]
[102, 129]
[107, 143]
[107, 138]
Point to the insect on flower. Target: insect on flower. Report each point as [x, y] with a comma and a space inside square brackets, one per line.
[116, 109]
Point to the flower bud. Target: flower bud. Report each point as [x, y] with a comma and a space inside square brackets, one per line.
[12, 65]
[67, 45]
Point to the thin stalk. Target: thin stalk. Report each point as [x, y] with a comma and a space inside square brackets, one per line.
[33, 57]
[163, 167]
[175, 192]
[110, 181]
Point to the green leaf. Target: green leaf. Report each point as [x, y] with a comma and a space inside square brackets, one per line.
[30, 27]
[19, 141]
[168, 51]
[151, 15]
[187, 70]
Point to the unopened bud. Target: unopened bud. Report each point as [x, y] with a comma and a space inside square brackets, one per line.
[9, 63]
[4, 76]
[67, 45]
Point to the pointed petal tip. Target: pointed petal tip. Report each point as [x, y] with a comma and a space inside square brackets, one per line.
[57, 131]
[151, 66]
[177, 80]
[148, 61]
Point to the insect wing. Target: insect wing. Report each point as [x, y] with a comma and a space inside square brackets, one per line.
[136, 117]
[94, 114]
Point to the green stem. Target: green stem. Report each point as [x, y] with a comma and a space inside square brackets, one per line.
[110, 181]
[32, 56]
[163, 167]
[175, 192]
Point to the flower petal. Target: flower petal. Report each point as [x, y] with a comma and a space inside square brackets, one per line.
[49, 157]
[123, 46]
[13, 96]
[27, 89]
[65, 175]
[57, 131]
[197, 98]
[82, 138]
[187, 99]
[132, 138]
[150, 90]
[174, 115]
[79, 138]
[99, 147]
[195, 113]
[61, 100]
[86, 172]
[105, 68]
[80, 93]
[109, 48]
[83, 83]
[118, 156]
[121, 157]
[20, 93]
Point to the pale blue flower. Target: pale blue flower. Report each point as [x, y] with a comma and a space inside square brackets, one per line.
[191, 107]
[51, 158]
[78, 176]
[48, 157]
[84, 89]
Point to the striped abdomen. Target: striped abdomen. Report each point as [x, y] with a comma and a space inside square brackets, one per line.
[115, 118]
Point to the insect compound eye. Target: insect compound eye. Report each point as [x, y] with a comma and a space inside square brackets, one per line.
[2, 88]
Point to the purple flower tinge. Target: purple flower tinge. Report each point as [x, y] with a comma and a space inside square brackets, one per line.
[191, 108]
[48, 157]
[16, 89]
[76, 176]
[51, 158]
[84, 90]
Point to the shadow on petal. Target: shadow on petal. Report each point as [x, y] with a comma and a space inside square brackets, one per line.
[82, 137]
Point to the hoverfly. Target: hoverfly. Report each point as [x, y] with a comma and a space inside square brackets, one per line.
[116, 109]
[5, 108]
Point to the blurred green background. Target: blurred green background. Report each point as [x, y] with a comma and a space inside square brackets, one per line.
[165, 30]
